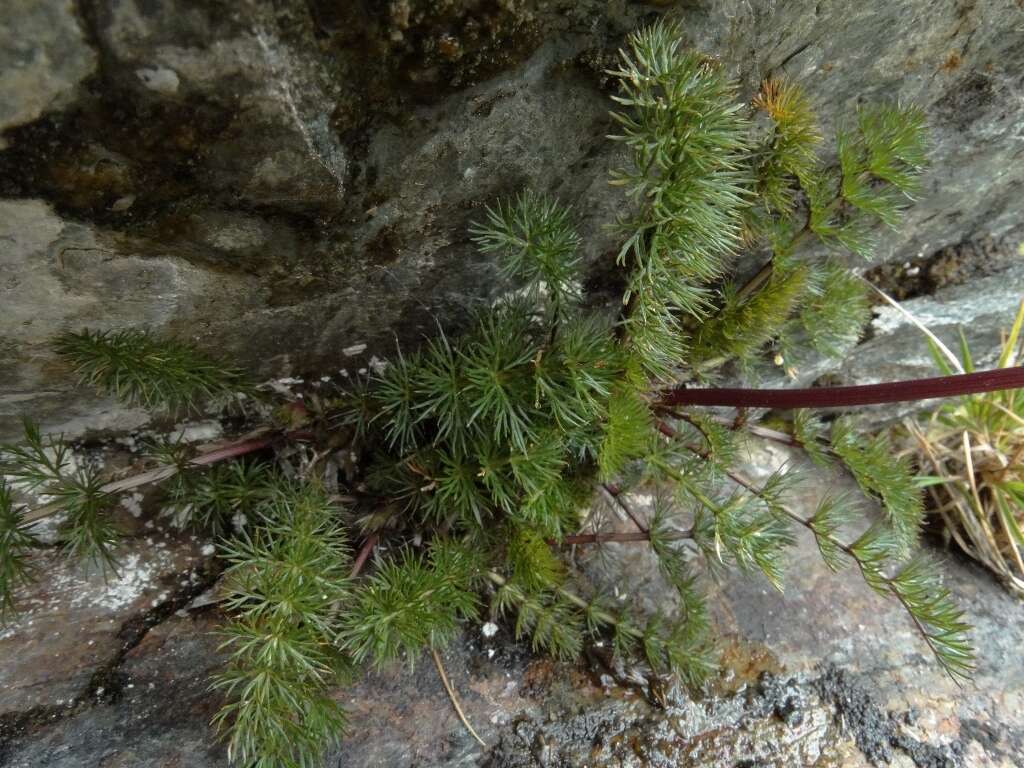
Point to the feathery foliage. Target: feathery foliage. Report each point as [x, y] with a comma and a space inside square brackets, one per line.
[410, 603]
[915, 582]
[285, 579]
[479, 454]
[136, 367]
[918, 587]
[16, 543]
[218, 497]
[789, 150]
[835, 310]
[44, 464]
[689, 184]
[627, 434]
[537, 244]
[881, 474]
[833, 515]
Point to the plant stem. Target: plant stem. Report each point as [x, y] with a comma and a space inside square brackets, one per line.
[599, 538]
[889, 582]
[614, 494]
[602, 616]
[451, 695]
[233, 450]
[364, 554]
[759, 279]
[840, 397]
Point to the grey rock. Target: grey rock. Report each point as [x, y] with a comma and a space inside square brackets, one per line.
[43, 58]
[828, 673]
[280, 184]
[59, 275]
[72, 623]
[160, 717]
[981, 308]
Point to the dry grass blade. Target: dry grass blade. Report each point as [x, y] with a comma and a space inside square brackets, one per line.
[974, 446]
[451, 695]
[921, 327]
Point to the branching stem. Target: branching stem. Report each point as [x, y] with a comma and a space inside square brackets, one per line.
[251, 444]
[889, 582]
[614, 494]
[364, 554]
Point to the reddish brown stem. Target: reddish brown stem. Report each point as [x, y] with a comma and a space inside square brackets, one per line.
[233, 451]
[364, 554]
[600, 538]
[230, 451]
[616, 497]
[841, 397]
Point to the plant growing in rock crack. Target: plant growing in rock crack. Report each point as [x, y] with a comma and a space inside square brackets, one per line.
[972, 447]
[479, 455]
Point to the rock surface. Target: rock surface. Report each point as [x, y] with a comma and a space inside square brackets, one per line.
[72, 622]
[283, 182]
[290, 184]
[825, 675]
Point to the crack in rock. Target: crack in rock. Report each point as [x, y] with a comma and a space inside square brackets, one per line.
[876, 731]
[107, 683]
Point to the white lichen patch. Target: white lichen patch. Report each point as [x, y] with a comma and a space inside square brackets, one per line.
[159, 79]
[47, 529]
[355, 349]
[133, 503]
[197, 431]
[80, 593]
[284, 386]
[136, 575]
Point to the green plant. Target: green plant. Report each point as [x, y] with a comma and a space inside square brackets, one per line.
[288, 574]
[45, 465]
[479, 455]
[140, 369]
[16, 544]
[973, 446]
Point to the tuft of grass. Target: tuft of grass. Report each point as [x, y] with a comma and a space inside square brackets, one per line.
[973, 448]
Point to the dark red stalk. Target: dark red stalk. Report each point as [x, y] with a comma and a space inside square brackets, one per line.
[364, 554]
[841, 397]
[251, 445]
[598, 538]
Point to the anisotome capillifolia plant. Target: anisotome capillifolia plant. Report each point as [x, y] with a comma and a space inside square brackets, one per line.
[479, 455]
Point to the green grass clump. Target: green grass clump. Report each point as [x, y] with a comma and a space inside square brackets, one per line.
[971, 448]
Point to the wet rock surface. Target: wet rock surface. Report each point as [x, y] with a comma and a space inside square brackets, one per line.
[289, 185]
[826, 674]
[76, 622]
[757, 728]
[160, 716]
[281, 182]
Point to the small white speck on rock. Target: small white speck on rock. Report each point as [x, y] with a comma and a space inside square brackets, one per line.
[159, 79]
[490, 629]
